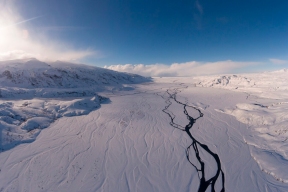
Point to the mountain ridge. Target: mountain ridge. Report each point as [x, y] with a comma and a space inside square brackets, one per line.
[32, 73]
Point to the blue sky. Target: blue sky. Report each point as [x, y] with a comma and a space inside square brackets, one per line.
[171, 31]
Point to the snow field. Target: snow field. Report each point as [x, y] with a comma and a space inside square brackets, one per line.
[130, 147]
[264, 113]
[128, 144]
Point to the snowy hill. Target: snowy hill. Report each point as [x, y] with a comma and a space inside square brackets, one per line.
[31, 77]
[267, 84]
[44, 89]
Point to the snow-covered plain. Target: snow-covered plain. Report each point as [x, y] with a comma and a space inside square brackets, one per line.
[136, 139]
[264, 113]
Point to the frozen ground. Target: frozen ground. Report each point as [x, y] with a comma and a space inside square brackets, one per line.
[139, 139]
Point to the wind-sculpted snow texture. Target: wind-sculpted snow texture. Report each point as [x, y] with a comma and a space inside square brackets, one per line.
[130, 144]
[22, 120]
[34, 94]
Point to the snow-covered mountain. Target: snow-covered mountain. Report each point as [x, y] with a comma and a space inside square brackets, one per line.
[30, 77]
[36, 93]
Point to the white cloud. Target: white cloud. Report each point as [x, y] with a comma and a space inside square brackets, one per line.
[199, 7]
[18, 41]
[192, 68]
[16, 54]
[198, 15]
[278, 61]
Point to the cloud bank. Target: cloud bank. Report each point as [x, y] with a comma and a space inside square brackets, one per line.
[187, 69]
[278, 61]
[18, 41]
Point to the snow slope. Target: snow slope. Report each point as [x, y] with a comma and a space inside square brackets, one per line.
[32, 78]
[34, 94]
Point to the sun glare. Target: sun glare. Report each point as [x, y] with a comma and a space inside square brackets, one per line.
[17, 41]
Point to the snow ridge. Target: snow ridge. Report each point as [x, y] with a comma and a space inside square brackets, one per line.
[37, 74]
[227, 81]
